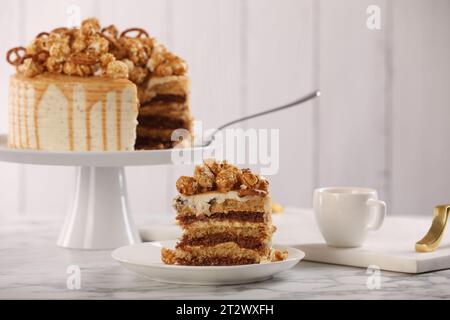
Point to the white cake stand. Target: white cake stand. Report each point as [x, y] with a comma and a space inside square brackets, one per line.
[99, 217]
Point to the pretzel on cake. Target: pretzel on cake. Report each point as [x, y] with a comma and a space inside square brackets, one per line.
[140, 32]
[20, 55]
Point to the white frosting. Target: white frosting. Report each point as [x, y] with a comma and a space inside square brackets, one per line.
[200, 203]
[111, 118]
[129, 111]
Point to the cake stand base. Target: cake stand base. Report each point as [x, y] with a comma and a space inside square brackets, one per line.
[99, 217]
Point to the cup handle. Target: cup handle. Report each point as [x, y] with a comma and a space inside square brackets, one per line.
[380, 213]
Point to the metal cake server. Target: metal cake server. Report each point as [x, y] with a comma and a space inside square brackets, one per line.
[294, 103]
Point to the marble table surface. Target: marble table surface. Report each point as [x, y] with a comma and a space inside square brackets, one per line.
[33, 267]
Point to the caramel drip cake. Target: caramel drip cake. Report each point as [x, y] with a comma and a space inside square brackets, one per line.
[95, 89]
[225, 214]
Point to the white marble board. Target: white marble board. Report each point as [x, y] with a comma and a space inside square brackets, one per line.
[391, 248]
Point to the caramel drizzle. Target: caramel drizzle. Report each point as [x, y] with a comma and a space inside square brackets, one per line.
[118, 122]
[104, 129]
[70, 106]
[38, 94]
[88, 127]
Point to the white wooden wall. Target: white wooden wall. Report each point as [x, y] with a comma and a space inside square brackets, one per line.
[380, 122]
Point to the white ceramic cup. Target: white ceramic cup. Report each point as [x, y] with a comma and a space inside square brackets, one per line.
[345, 215]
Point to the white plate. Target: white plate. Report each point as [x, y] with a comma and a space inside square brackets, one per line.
[145, 260]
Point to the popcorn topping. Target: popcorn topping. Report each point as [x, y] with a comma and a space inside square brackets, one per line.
[117, 69]
[90, 27]
[223, 177]
[187, 185]
[226, 180]
[93, 51]
[106, 59]
[138, 75]
[249, 179]
[30, 68]
[204, 177]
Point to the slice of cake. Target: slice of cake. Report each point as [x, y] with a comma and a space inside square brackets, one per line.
[225, 214]
[95, 89]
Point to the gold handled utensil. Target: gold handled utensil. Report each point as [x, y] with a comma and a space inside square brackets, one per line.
[430, 242]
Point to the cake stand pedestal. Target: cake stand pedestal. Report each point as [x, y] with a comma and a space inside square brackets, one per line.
[99, 216]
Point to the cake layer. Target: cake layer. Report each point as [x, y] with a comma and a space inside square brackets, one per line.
[228, 253]
[163, 121]
[168, 98]
[215, 261]
[214, 202]
[241, 229]
[65, 113]
[228, 206]
[241, 216]
[156, 134]
[199, 256]
[254, 243]
[251, 204]
[143, 143]
[146, 97]
[170, 109]
[164, 86]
